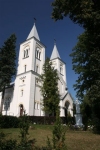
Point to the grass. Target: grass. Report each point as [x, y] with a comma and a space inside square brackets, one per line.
[75, 140]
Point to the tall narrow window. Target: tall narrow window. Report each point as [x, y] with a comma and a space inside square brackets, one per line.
[26, 52]
[39, 55]
[61, 69]
[25, 68]
[37, 68]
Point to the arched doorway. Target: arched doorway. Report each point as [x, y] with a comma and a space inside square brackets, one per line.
[21, 109]
[66, 108]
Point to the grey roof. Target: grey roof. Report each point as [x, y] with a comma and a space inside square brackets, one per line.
[34, 33]
[55, 53]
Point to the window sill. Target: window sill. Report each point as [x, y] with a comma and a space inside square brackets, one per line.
[25, 57]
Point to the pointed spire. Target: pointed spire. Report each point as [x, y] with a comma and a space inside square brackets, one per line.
[33, 32]
[55, 53]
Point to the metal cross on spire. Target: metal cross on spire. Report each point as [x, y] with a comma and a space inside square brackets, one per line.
[34, 20]
[54, 41]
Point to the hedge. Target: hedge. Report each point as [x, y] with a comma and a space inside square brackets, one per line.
[9, 122]
[13, 122]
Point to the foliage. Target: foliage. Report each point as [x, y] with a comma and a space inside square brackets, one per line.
[49, 88]
[7, 61]
[25, 143]
[24, 126]
[84, 12]
[86, 53]
[70, 119]
[58, 139]
[7, 144]
[9, 122]
[86, 112]
[7, 64]
[85, 63]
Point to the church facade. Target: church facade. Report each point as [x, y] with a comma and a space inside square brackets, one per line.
[24, 93]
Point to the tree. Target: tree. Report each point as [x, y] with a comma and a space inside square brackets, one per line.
[49, 88]
[58, 135]
[86, 112]
[85, 59]
[84, 12]
[86, 53]
[7, 64]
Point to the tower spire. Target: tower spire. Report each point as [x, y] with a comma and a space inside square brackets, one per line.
[55, 53]
[33, 32]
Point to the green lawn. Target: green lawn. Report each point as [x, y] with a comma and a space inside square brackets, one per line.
[75, 140]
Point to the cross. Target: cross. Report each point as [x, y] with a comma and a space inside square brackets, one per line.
[54, 41]
[34, 20]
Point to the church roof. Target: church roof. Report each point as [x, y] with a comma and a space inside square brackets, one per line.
[33, 33]
[55, 53]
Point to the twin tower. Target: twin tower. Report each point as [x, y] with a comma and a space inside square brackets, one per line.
[25, 93]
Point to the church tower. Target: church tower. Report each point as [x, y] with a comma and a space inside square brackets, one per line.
[27, 83]
[58, 64]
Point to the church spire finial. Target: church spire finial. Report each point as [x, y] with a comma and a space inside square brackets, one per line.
[34, 20]
[54, 41]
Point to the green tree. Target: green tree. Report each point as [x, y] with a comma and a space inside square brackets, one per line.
[86, 112]
[58, 135]
[84, 12]
[85, 59]
[86, 53]
[7, 64]
[49, 88]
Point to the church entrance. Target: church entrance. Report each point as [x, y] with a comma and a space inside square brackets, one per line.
[66, 108]
[21, 109]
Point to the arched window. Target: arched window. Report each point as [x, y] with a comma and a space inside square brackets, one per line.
[38, 53]
[26, 52]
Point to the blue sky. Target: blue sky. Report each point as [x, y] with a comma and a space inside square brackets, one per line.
[17, 16]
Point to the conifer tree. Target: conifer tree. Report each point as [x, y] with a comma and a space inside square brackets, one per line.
[7, 64]
[49, 88]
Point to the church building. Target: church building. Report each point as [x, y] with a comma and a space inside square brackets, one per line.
[24, 93]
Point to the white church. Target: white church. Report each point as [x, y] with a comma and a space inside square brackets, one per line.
[24, 93]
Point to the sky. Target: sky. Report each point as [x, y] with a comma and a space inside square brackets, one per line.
[17, 16]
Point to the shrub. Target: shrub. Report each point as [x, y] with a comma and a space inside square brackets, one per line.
[7, 144]
[58, 138]
[9, 121]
